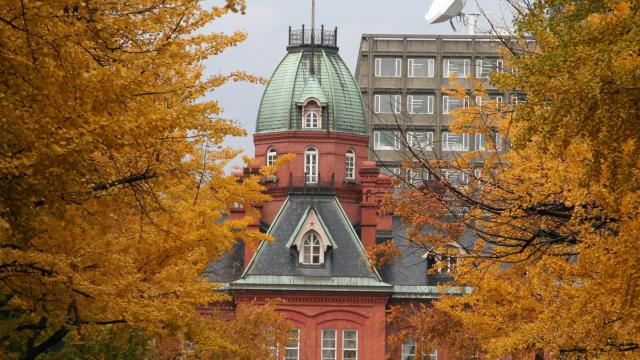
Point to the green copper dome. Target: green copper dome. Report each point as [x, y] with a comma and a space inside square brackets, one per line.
[328, 81]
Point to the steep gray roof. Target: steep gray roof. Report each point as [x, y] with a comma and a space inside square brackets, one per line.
[346, 260]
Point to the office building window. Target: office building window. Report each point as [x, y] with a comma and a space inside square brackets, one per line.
[387, 104]
[388, 67]
[420, 140]
[272, 155]
[386, 140]
[311, 165]
[390, 171]
[329, 344]
[498, 99]
[350, 164]
[409, 351]
[484, 67]
[459, 67]
[456, 177]
[455, 142]
[350, 344]
[450, 103]
[417, 177]
[481, 142]
[420, 104]
[292, 350]
[421, 67]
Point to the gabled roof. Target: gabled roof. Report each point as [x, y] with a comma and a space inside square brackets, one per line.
[277, 263]
[313, 90]
[309, 214]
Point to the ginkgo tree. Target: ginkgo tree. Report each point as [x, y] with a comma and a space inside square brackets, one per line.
[555, 265]
[113, 198]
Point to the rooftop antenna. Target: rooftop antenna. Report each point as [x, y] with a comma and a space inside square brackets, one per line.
[443, 10]
[312, 70]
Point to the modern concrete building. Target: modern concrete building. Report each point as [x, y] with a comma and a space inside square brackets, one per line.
[401, 78]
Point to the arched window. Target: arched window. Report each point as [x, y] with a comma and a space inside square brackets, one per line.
[311, 165]
[272, 155]
[312, 120]
[311, 249]
[350, 165]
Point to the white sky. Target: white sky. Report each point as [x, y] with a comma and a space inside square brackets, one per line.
[267, 22]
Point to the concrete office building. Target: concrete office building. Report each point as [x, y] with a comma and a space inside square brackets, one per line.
[401, 78]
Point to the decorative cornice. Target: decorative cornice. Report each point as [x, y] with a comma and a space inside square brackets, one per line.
[288, 136]
[306, 298]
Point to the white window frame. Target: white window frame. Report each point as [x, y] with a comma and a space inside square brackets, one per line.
[334, 349]
[350, 165]
[311, 247]
[377, 137]
[466, 67]
[479, 146]
[272, 156]
[465, 175]
[395, 106]
[445, 103]
[498, 100]
[411, 355]
[296, 348]
[311, 159]
[310, 122]
[480, 67]
[344, 348]
[413, 143]
[378, 67]
[431, 64]
[445, 141]
[430, 103]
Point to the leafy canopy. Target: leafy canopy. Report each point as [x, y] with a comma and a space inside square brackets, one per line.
[113, 198]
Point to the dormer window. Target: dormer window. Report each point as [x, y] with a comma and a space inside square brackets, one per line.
[312, 120]
[311, 239]
[311, 249]
[311, 114]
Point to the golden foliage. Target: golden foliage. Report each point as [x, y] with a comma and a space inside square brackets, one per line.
[113, 197]
[556, 218]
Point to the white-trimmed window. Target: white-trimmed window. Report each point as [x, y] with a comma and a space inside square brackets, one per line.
[391, 171]
[387, 103]
[459, 67]
[498, 99]
[455, 142]
[481, 142]
[272, 155]
[417, 177]
[311, 120]
[420, 140]
[421, 67]
[292, 350]
[329, 344]
[388, 67]
[409, 351]
[484, 67]
[311, 249]
[456, 177]
[386, 140]
[350, 164]
[518, 98]
[450, 103]
[311, 165]
[350, 344]
[420, 104]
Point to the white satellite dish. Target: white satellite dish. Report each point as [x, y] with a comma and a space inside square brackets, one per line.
[443, 10]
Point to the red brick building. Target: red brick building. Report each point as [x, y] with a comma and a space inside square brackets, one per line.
[324, 215]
